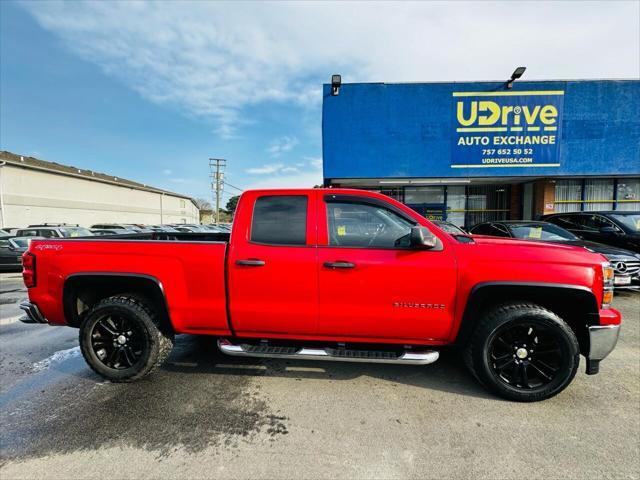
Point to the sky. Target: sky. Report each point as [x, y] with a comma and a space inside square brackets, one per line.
[149, 91]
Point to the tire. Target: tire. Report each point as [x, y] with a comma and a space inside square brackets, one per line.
[521, 337]
[121, 340]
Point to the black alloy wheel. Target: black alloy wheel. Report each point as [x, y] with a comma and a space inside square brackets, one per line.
[526, 356]
[122, 338]
[117, 341]
[523, 352]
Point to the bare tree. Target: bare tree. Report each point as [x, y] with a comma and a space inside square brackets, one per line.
[203, 204]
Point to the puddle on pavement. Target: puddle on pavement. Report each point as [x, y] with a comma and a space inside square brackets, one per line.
[185, 405]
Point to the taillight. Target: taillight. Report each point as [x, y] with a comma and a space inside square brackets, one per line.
[608, 276]
[29, 269]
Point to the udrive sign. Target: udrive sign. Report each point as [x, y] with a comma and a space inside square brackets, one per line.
[506, 129]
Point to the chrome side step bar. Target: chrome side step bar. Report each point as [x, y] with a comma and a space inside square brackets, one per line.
[410, 357]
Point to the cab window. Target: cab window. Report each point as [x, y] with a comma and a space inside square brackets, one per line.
[367, 226]
[280, 220]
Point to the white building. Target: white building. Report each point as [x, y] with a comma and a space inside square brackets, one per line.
[34, 191]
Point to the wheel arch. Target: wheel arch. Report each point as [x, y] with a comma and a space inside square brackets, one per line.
[575, 304]
[83, 290]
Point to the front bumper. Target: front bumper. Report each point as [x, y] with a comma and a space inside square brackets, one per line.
[602, 340]
[33, 313]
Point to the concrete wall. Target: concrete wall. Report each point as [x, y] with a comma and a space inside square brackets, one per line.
[31, 196]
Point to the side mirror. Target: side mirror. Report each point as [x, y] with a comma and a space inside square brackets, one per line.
[421, 237]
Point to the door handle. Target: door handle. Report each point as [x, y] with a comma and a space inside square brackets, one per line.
[339, 264]
[251, 262]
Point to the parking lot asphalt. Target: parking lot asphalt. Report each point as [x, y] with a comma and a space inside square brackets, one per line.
[203, 415]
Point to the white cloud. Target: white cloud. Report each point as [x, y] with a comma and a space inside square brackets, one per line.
[214, 59]
[306, 173]
[314, 162]
[300, 180]
[265, 169]
[282, 144]
[167, 171]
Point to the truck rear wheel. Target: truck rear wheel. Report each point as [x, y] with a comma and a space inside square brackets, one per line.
[523, 352]
[121, 340]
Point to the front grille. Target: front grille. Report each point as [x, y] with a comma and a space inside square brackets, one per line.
[626, 267]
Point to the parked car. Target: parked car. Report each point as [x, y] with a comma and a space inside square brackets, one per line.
[11, 250]
[162, 228]
[186, 229]
[334, 274]
[103, 231]
[625, 262]
[617, 228]
[118, 226]
[53, 231]
[4, 233]
[449, 227]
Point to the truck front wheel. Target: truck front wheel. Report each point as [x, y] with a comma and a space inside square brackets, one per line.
[121, 340]
[523, 352]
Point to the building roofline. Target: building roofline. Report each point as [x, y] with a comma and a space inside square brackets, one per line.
[32, 163]
[520, 81]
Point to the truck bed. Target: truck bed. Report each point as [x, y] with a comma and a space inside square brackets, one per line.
[188, 267]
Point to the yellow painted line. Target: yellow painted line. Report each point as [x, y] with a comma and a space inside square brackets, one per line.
[550, 129]
[509, 165]
[533, 129]
[508, 94]
[481, 129]
[516, 129]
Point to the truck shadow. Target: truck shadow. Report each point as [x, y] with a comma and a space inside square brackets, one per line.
[199, 354]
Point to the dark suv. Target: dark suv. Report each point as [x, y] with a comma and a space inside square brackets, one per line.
[626, 264]
[617, 228]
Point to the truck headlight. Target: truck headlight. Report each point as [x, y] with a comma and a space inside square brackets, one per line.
[608, 275]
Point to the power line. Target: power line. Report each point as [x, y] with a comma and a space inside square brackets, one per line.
[232, 186]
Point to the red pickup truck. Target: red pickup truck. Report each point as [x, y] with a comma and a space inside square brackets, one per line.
[332, 274]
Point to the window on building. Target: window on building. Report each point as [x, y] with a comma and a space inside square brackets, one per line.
[486, 203]
[592, 195]
[568, 196]
[366, 226]
[628, 194]
[456, 202]
[598, 195]
[419, 195]
[280, 220]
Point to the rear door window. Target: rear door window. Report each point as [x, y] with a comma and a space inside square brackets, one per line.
[280, 220]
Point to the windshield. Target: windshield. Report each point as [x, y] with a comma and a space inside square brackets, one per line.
[76, 232]
[541, 231]
[630, 221]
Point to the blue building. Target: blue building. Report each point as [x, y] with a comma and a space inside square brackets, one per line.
[470, 152]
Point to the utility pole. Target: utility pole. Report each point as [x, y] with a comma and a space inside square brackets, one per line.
[217, 166]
